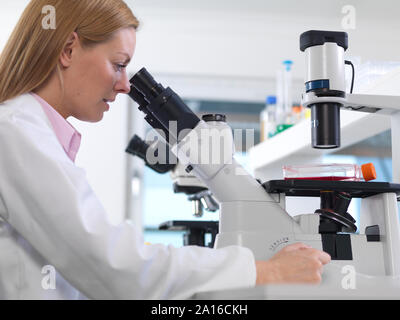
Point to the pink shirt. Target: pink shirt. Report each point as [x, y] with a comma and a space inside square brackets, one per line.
[69, 138]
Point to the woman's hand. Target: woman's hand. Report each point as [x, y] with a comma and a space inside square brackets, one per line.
[296, 263]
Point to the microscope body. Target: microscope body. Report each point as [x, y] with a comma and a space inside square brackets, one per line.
[253, 215]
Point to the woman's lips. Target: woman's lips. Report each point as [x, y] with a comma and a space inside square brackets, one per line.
[106, 103]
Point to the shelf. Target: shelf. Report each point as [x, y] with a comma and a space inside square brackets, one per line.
[296, 141]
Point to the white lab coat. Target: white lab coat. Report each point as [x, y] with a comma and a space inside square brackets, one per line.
[50, 218]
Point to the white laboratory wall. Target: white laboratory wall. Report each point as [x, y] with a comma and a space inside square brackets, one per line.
[233, 39]
[251, 38]
[9, 15]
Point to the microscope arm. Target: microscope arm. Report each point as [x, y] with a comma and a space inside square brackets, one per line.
[227, 179]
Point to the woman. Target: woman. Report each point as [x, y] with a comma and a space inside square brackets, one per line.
[50, 217]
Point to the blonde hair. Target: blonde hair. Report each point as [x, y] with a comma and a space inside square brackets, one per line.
[32, 52]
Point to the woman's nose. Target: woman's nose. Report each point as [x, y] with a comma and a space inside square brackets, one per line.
[123, 85]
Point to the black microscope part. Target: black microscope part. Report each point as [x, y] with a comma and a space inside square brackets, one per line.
[145, 83]
[335, 198]
[214, 117]
[164, 106]
[325, 125]
[319, 37]
[139, 147]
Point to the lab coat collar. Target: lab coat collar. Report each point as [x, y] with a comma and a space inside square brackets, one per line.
[67, 135]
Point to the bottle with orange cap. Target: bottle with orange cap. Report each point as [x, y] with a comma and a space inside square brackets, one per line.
[332, 172]
[368, 171]
[297, 113]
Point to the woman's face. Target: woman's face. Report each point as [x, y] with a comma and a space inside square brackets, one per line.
[95, 76]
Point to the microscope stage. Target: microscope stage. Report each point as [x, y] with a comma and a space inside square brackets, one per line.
[313, 188]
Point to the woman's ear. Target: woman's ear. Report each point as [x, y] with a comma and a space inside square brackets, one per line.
[70, 46]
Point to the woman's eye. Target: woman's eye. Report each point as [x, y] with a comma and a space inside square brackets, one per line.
[120, 67]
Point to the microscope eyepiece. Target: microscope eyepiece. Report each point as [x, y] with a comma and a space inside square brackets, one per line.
[145, 83]
[138, 97]
[162, 107]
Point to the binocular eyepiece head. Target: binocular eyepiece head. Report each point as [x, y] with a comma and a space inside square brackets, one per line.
[164, 109]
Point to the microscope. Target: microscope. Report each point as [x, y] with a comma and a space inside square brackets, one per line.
[253, 215]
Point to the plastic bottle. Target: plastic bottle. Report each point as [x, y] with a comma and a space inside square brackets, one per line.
[287, 89]
[264, 120]
[332, 172]
[297, 114]
[267, 119]
[284, 96]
